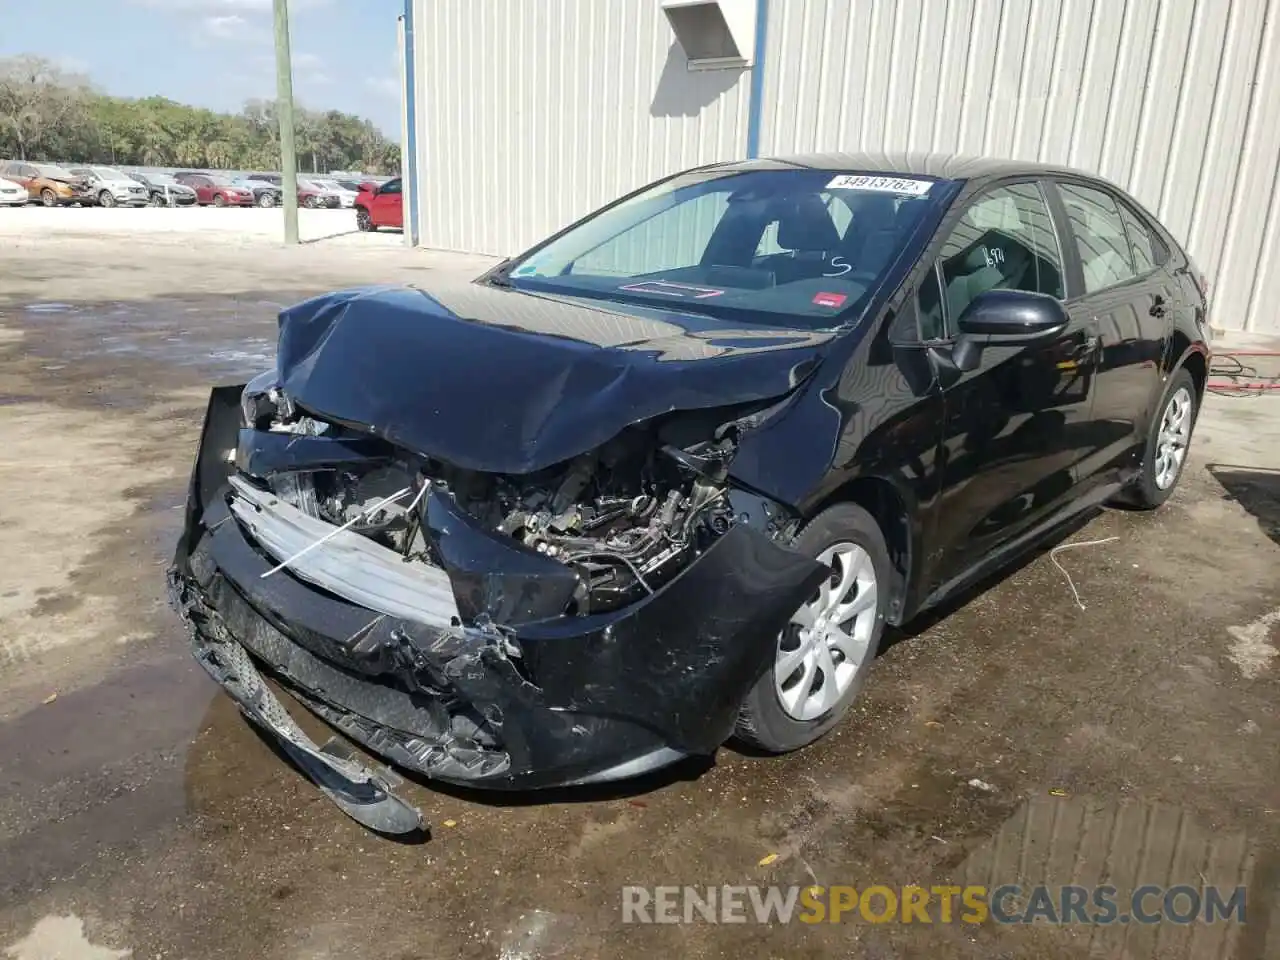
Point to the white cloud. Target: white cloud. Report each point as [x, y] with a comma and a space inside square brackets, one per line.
[228, 26]
[215, 7]
[386, 86]
[308, 69]
[71, 64]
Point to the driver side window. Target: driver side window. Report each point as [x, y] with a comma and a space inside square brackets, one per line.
[1005, 240]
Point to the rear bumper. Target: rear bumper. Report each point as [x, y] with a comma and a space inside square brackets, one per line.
[559, 701]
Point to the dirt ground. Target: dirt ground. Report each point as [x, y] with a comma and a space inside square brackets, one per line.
[1136, 740]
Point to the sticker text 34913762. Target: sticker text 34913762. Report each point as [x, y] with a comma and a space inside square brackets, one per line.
[859, 181]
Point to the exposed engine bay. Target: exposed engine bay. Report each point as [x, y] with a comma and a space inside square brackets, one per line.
[626, 517]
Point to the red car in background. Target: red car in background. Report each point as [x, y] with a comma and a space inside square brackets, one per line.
[380, 206]
[213, 189]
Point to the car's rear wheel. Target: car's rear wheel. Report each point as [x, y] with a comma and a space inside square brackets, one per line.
[363, 220]
[1168, 439]
[48, 197]
[823, 655]
[219, 200]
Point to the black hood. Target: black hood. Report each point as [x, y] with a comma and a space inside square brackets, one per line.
[504, 381]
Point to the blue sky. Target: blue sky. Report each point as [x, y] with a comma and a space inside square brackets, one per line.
[219, 53]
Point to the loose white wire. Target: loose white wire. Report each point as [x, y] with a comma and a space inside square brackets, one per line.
[1067, 546]
[354, 520]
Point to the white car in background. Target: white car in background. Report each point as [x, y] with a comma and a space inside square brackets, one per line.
[346, 197]
[12, 194]
[111, 187]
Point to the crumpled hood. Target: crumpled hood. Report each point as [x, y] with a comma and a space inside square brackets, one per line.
[506, 381]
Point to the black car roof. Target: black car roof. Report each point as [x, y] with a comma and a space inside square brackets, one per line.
[948, 166]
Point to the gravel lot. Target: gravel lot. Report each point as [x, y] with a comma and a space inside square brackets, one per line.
[248, 225]
[1134, 740]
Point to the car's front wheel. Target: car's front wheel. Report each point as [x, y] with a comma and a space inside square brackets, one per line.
[266, 200]
[219, 200]
[48, 197]
[106, 199]
[1168, 439]
[823, 655]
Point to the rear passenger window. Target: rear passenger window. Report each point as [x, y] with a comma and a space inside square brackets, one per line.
[1099, 235]
[1148, 252]
[1005, 240]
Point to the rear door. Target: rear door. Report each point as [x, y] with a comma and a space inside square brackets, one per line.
[26, 175]
[388, 205]
[1117, 285]
[203, 187]
[1014, 428]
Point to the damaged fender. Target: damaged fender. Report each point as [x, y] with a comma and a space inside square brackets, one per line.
[539, 701]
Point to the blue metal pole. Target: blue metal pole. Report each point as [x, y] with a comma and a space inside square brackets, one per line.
[411, 123]
[755, 106]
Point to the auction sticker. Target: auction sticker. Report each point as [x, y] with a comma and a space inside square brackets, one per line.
[829, 299]
[850, 181]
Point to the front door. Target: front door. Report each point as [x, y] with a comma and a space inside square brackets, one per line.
[1014, 428]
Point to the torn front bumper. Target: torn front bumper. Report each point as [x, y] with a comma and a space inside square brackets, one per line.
[561, 700]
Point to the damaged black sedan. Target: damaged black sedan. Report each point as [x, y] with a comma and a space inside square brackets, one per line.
[664, 478]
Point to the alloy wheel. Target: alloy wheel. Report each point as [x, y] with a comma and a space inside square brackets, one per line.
[829, 637]
[1174, 436]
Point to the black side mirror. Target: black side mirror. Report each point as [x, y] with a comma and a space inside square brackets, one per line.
[1005, 318]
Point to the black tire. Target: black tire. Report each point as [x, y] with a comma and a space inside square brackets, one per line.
[156, 200]
[1145, 492]
[266, 199]
[763, 723]
[105, 199]
[219, 200]
[48, 197]
[364, 221]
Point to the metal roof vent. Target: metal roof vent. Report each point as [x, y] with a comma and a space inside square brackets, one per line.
[714, 34]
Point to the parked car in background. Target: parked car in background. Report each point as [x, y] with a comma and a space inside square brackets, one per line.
[12, 193]
[264, 194]
[355, 186]
[52, 185]
[273, 178]
[312, 194]
[110, 187]
[165, 191]
[346, 196]
[213, 188]
[380, 206]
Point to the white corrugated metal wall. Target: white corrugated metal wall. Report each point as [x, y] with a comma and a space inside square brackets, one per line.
[1175, 100]
[531, 113]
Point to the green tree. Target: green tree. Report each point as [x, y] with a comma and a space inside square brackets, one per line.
[50, 114]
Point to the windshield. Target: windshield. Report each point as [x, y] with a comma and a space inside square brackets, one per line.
[108, 173]
[221, 181]
[809, 244]
[162, 178]
[53, 170]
